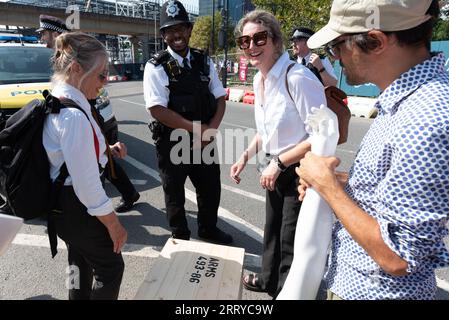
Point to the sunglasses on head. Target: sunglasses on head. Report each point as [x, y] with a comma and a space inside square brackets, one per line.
[259, 39]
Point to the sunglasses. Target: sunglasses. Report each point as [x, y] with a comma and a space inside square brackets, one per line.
[259, 39]
[103, 76]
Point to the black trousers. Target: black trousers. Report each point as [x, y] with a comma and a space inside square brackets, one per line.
[90, 251]
[282, 209]
[121, 182]
[206, 180]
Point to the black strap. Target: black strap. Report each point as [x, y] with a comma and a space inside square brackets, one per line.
[67, 103]
[315, 71]
[56, 189]
[56, 106]
[286, 80]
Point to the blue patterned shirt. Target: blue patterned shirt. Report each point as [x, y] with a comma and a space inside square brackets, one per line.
[400, 177]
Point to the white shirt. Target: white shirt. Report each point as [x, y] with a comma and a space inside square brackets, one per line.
[279, 119]
[155, 82]
[326, 64]
[68, 137]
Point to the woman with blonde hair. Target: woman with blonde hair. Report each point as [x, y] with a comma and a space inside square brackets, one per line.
[84, 217]
[284, 92]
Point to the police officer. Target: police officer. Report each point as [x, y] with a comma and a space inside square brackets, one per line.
[50, 28]
[119, 179]
[183, 93]
[320, 66]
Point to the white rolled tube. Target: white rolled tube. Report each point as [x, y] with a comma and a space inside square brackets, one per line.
[315, 220]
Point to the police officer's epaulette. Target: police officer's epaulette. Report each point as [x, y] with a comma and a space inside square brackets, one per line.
[202, 56]
[197, 51]
[160, 58]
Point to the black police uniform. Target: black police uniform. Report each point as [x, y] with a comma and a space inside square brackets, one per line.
[121, 180]
[306, 33]
[191, 98]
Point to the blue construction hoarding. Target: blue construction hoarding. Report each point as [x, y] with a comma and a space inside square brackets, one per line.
[370, 90]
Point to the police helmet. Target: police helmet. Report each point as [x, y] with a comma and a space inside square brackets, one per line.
[301, 33]
[173, 13]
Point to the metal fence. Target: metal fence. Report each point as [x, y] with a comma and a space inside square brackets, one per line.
[233, 79]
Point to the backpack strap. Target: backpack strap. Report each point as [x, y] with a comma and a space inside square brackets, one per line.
[67, 103]
[315, 71]
[286, 80]
[55, 106]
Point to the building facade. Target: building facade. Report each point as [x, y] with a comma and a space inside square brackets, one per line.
[237, 8]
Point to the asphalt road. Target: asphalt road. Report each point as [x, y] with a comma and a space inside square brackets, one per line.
[28, 272]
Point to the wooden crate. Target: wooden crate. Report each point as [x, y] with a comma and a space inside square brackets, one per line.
[191, 270]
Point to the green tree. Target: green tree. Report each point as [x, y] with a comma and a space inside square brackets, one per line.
[441, 30]
[202, 30]
[201, 33]
[313, 14]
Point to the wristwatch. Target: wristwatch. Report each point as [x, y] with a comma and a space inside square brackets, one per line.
[281, 166]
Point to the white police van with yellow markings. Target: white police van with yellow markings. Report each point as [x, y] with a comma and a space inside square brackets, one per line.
[25, 73]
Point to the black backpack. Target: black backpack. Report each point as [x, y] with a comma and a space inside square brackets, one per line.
[24, 166]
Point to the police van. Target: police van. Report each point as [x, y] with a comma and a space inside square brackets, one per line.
[25, 73]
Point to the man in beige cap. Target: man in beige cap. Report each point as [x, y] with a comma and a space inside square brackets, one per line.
[392, 208]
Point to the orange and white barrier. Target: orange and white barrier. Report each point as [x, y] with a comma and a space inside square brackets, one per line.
[236, 95]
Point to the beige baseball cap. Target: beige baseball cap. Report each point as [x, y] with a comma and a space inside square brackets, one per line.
[357, 16]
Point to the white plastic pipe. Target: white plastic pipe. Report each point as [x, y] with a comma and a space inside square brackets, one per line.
[9, 226]
[315, 220]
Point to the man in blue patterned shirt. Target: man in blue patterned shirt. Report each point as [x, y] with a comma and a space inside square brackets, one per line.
[393, 207]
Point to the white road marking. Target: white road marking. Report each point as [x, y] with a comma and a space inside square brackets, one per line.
[138, 182]
[238, 223]
[136, 250]
[244, 193]
[136, 103]
[237, 125]
[129, 249]
[347, 151]
[226, 123]
[134, 182]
